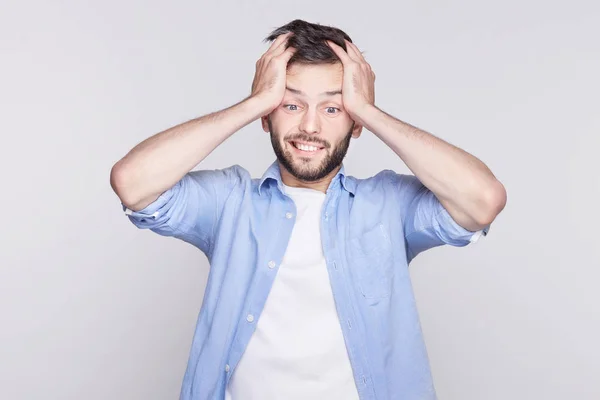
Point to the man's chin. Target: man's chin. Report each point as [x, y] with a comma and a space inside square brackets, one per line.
[301, 171]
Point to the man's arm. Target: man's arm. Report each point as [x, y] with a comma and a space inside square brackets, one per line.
[463, 184]
[159, 162]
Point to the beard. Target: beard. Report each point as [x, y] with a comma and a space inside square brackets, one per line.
[302, 170]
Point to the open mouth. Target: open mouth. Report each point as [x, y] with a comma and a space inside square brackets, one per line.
[307, 148]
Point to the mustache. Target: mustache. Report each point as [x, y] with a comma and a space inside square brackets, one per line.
[307, 139]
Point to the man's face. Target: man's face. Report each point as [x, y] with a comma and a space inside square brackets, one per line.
[310, 130]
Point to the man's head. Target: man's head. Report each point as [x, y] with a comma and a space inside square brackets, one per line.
[310, 130]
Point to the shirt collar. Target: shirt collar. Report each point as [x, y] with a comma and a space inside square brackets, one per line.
[274, 173]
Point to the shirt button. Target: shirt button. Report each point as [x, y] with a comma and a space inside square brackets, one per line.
[250, 318]
[272, 264]
[289, 215]
[226, 367]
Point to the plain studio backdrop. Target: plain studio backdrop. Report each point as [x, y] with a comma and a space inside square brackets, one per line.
[93, 308]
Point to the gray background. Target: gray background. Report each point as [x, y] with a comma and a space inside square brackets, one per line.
[91, 307]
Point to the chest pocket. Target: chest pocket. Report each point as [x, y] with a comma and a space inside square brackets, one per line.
[370, 254]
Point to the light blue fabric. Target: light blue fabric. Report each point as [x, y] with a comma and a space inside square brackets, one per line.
[371, 229]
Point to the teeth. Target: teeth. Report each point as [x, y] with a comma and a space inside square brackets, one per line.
[305, 147]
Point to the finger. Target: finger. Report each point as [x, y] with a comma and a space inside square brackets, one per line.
[339, 51]
[280, 49]
[278, 42]
[284, 57]
[354, 53]
[287, 54]
[275, 49]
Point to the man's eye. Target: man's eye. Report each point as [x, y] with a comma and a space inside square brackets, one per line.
[291, 105]
[332, 108]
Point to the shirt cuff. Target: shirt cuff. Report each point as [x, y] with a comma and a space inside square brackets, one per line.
[457, 232]
[154, 211]
[478, 234]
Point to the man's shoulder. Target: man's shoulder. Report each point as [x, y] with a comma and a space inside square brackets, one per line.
[228, 179]
[381, 179]
[232, 173]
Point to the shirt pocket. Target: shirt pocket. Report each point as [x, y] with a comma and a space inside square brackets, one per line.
[371, 259]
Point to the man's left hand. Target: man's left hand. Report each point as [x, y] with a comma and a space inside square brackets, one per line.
[358, 88]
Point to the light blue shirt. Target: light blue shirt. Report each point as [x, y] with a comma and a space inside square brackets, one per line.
[371, 229]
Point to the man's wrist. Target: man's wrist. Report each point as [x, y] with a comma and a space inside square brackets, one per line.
[366, 114]
[259, 106]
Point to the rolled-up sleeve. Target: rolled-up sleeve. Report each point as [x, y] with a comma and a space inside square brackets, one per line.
[190, 208]
[426, 223]
[157, 214]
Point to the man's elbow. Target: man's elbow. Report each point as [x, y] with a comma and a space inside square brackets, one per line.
[495, 200]
[119, 181]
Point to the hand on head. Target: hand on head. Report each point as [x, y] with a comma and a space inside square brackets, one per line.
[358, 88]
[270, 76]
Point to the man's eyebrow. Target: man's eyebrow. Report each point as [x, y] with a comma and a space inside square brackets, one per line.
[300, 92]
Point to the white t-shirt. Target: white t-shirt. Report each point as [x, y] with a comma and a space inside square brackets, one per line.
[297, 350]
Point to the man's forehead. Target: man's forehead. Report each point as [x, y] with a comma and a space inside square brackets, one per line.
[315, 79]
[296, 69]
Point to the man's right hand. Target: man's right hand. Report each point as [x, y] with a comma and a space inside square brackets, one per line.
[160, 161]
[270, 77]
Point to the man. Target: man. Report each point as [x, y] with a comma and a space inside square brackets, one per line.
[308, 294]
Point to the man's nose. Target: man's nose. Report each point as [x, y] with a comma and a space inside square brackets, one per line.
[310, 122]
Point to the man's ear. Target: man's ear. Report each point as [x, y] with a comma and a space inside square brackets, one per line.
[265, 123]
[356, 131]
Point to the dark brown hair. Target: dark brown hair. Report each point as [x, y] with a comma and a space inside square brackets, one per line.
[309, 41]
